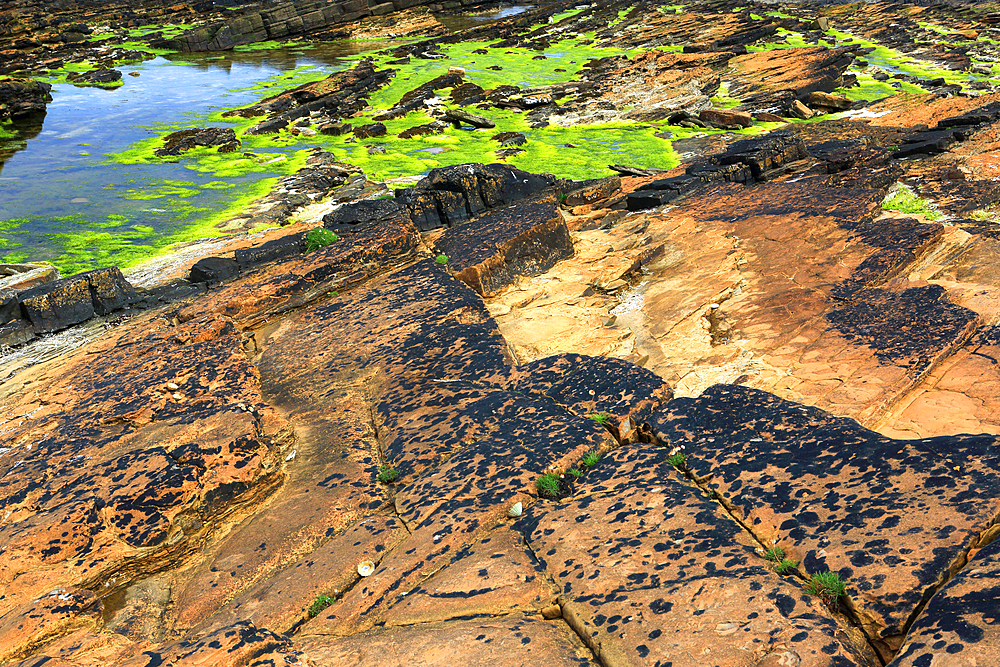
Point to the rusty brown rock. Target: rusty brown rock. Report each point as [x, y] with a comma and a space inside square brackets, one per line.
[491, 252]
[52, 615]
[893, 517]
[726, 117]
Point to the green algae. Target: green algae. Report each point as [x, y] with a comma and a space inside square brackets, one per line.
[904, 200]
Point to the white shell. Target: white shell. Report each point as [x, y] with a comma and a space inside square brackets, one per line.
[515, 510]
[173, 386]
[365, 568]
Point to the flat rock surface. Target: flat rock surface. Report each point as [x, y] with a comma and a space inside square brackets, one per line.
[892, 517]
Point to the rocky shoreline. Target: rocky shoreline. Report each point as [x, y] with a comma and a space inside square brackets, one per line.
[738, 410]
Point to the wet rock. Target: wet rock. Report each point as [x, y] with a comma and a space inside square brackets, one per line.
[495, 249]
[415, 98]
[20, 98]
[183, 140]
[100, 77]
[16, 332]
[458, 117]
[214, 270]
[891, 516]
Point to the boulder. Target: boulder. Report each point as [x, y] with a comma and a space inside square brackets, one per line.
[20, 98]
[362, 212]
[492, 251]
[725, 117]
[800, 110]
[590, 191]
[369, 131]
[57, 305]
[214, 269]
[458, 117]
[183, 140]
[818, 98]
[109, 290]
[271, 251]
[335, 129]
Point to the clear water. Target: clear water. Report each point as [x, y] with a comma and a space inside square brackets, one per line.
[61, 201]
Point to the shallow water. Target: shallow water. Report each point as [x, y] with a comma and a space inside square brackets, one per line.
[61, 201]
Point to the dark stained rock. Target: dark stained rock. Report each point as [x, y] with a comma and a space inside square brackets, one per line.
[100, 76]
[891, 516]
[10, 308]
[908, 328]
[57, 305]
[451, 195]
[959, 624]
[335, 129]
[510, 138]
[16, 332]
[183, 140]
[109, 290]
[651, 572]
[766, 152]
[415, 98]
[363, 212]
[214, 269]
[492, 251]
[20, 98]
[434, 127]
[900, 242]
[369, 131]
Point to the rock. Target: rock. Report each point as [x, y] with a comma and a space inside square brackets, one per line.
[725, 117]
[100, 76]
[271, 251]
[58, 612]
[510, 138]
[457, 116]
[959, 619]
[451, 195]
[494, 250]
[214, 270]
[363, 212]
[882, 524]
[800, 110]
[21, 98]
[369, 131]
[766, 117]
[16, 332]
[821, 23]
[109, 290]
[183, 140]
[335, 129]
[57, 305]
[22, 276]
[434, 127]
[238, 644]
[594, 190]
[820, 99]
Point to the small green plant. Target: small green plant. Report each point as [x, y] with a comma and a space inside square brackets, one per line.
[784, 566]
[827, 585]
[441, 259]
[602, 418]
[774, 554]
[319, 238]
[576, 472]
[319, 604]
[562, 197]
[548, 484]
[677, 459]
[591, 459]
[387, 474]
[904, 200]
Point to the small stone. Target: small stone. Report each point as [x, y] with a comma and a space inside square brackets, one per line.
[176, 396]
[515, 510]
[800, 110]
[173, 386]
[291, 455]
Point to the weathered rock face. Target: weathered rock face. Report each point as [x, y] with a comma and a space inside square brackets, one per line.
[56, 305]
[891, 516]
[223, 139]
[23, 98]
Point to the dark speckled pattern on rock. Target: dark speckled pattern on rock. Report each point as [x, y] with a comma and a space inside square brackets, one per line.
[960, 627]
[57, 612]
[889, 515]
[654, 573]
[238, 644]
